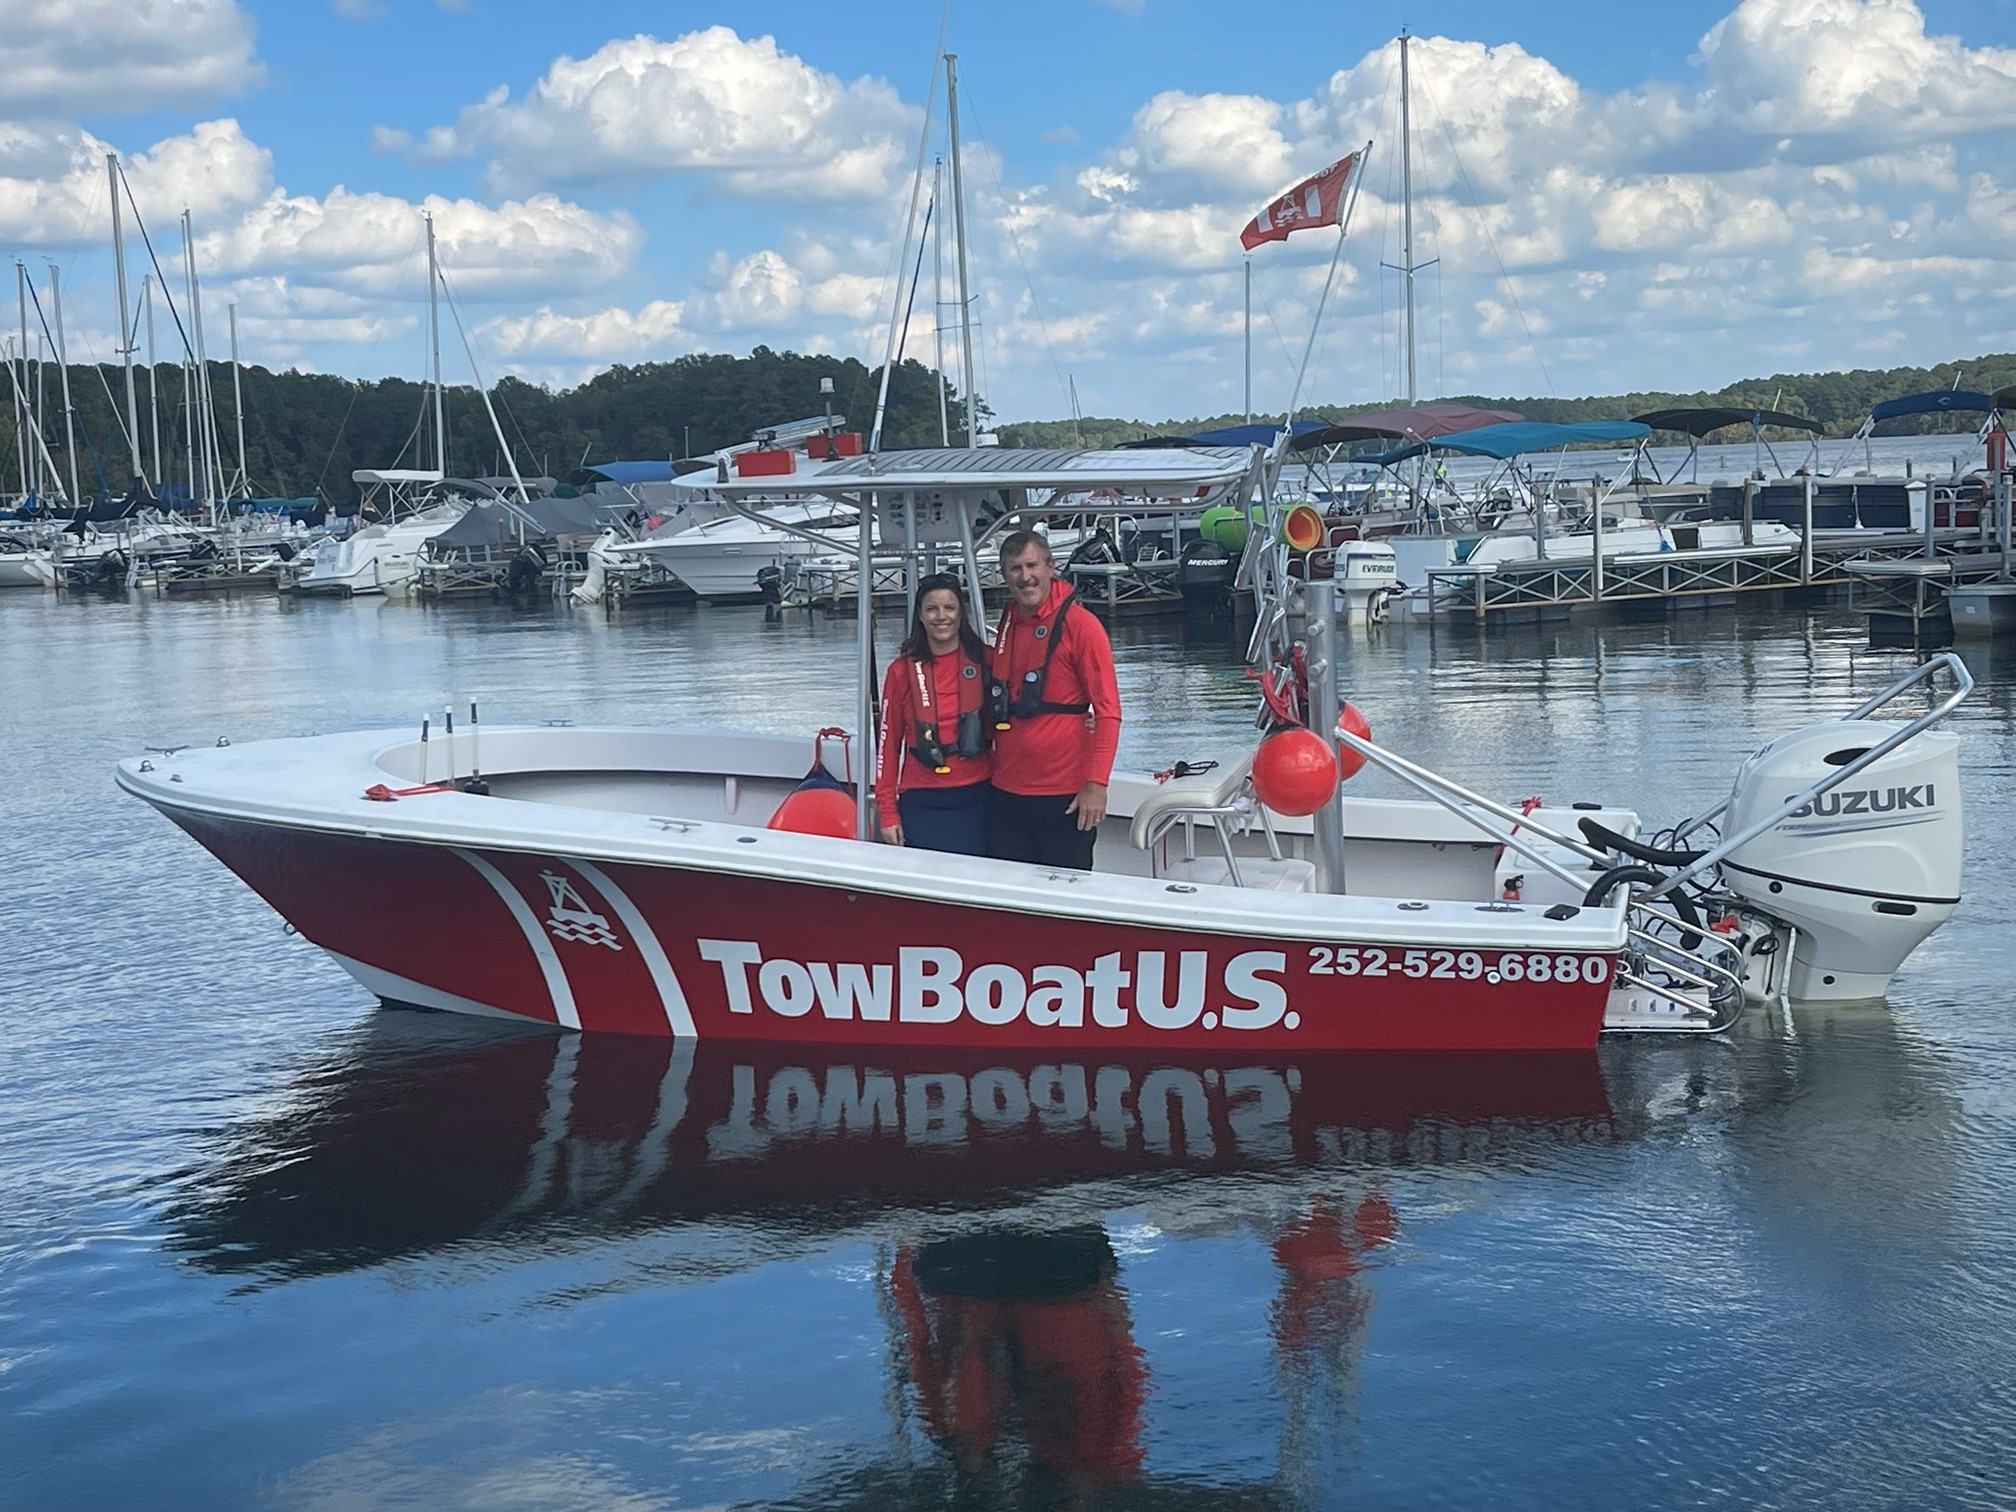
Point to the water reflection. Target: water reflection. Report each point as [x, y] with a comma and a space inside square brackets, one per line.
[422, 1131]
[1003, 1203]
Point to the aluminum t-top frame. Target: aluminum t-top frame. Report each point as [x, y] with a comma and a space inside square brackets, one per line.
[967, 486]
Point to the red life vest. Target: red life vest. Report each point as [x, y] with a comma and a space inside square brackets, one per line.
[969, 738]
[1025, 697]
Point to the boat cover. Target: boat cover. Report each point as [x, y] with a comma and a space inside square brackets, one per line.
[1512, 440]
[1256, 434]
[490, 523]
[1699, 422]
[621, 473]
[1412, 422]
[1960, 401]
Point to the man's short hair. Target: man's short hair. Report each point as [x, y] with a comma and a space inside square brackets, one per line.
[1020, 541]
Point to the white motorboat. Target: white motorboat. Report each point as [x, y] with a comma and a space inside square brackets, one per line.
[663, 882]
[380, 558]
[721, 558]
[24, 563]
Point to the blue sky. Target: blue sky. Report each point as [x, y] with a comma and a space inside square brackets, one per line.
[1617, 197]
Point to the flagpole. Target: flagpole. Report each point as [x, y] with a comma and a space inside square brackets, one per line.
[1337, 256]
[1249, 340]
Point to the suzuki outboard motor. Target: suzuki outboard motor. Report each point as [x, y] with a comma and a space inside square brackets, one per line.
[1863, 872]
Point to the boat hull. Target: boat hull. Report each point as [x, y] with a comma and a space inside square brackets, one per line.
[658, 949]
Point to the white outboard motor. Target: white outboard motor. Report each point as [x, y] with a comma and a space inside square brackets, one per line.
[1866, 870]
[1366, 574]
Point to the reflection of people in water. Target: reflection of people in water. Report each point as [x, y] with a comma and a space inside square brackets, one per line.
[1320, 1253]
[1008, 1331]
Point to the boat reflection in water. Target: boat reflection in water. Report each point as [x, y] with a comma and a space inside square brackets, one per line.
[1027, 1355]
[987, 1188]
[426, 1131]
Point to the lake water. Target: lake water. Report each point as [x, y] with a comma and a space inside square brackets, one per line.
[265, 1244]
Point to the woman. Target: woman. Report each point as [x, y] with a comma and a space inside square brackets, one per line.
[932, 765]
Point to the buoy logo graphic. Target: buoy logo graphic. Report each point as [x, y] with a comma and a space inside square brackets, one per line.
[570, 917]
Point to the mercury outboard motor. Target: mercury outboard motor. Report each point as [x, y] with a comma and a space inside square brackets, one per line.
[1865, 871]
[1204, 573]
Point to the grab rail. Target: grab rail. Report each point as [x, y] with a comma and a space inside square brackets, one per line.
[1963, 685]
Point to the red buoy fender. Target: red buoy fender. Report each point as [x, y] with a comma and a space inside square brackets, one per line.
[816, 811]
[1349, 762]
[1294, 771]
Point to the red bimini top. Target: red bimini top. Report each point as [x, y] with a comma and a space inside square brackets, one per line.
[1056, 753]
[957, 686]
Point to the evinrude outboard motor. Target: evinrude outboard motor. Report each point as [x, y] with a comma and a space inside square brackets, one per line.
[1862, 873]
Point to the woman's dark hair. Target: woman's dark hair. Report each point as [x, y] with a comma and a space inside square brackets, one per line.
[918, 644]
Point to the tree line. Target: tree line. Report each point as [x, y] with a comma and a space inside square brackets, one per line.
[306, 433]
[1839, 401]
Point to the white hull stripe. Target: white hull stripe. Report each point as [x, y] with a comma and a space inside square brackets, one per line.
[557, 987]
[677, 1014]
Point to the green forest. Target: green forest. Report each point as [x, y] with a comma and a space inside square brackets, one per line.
[1839, 401]
[305, 433]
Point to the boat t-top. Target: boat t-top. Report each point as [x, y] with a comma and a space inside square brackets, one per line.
[633, 880]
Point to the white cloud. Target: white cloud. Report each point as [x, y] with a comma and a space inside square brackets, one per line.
[1861, 70]
[374, 244]
[53, 190]
[765, 121]
[1207, 143]
[655, 332]
[73, 56]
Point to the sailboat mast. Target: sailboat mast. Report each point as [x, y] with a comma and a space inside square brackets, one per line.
[210, 446]
[434, 349]
[189, 370]
[1407, 211]
[20, 420]
[32, 471]
[238, 402]
[938, 299]
[959, 251]
[153, 373]
[125, 330]
[63, 381]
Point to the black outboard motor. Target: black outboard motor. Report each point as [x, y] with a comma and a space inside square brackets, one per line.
[1204, 574]
[527, 570]
[770, 583]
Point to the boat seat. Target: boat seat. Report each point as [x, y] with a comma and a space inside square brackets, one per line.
[1211, 790]
[1256, 873]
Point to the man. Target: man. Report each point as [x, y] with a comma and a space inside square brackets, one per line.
[1056, 715]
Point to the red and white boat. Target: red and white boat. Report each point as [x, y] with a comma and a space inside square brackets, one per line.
[625, 880]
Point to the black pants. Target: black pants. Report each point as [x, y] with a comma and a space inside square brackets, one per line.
[1035, 828]
[945, 819]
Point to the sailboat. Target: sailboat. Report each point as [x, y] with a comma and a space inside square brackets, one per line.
[400, 510]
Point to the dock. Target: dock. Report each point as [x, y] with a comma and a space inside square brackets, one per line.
[1555, 588]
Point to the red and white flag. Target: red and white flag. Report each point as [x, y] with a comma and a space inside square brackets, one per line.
[1317, 201]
